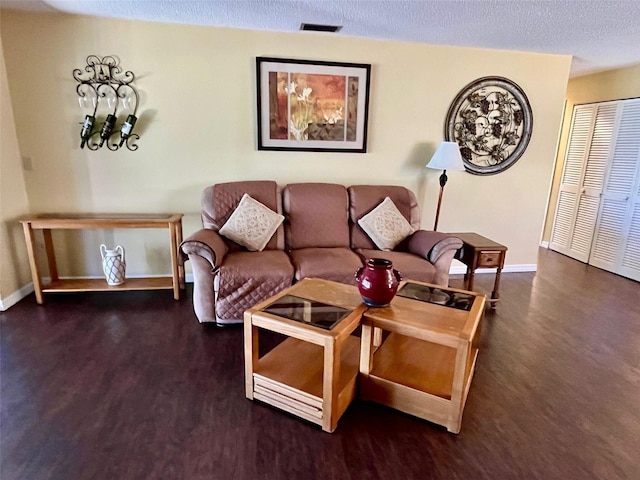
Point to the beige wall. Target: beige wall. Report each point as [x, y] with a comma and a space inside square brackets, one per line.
[610, 85]
[14, 266]
[198, 120]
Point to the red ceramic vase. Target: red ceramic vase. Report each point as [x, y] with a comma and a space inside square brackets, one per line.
[377, 282]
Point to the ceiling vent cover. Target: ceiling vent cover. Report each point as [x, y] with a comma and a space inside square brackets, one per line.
[313, 27]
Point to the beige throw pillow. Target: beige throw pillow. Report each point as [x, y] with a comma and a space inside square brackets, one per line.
[385, 225]
[251, 224]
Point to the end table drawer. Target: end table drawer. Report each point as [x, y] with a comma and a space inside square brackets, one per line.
[489, 259]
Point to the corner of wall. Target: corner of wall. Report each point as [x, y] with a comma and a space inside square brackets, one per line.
[14, 265]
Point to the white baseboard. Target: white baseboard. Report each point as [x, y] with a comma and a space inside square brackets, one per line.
[15, 297]
[544, 244]
[462, 269]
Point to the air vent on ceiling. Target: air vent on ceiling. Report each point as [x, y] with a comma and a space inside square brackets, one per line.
[313, 27]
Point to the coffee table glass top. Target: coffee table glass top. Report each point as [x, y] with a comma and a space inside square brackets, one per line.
[307, 311]
[440, 296]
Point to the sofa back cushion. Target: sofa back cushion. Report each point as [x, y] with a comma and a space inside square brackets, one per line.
[364, 198]
[220, 200]
[316, 215]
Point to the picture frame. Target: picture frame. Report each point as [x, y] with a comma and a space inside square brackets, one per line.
[491, 121]
[312, 106]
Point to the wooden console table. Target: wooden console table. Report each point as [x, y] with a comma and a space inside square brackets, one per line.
[48, 222]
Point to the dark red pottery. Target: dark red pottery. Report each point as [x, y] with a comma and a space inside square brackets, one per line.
[377, 282]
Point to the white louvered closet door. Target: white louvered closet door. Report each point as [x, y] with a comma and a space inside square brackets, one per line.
[572, 175]
[598, 211]
[582, 179]
[616, 243]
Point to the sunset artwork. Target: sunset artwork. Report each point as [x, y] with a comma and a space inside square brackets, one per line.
[305, 106]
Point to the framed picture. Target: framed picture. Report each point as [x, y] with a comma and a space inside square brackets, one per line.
[312, 106]
[491, 120]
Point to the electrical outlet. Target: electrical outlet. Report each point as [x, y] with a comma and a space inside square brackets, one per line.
[27, 163]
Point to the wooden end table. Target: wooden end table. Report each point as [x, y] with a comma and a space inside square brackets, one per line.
[480, 252]
[313, 373]
[426, 358]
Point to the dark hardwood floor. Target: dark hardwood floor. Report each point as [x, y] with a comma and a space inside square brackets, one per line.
[130, 386]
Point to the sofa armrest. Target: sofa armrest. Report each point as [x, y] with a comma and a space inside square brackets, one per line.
[432, 245]
[207, 244]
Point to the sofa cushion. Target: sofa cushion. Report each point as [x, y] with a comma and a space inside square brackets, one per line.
[251, 224]
[317, 215]
[337, 264]
[247, 278]
[409, 265]
[385, 225]
[364, 198]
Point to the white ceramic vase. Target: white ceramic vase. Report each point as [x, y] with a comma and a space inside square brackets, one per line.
[113, 264]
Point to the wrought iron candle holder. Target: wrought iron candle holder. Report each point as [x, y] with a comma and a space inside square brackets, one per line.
[103, 86]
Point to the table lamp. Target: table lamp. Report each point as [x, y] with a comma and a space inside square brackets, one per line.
[447, 157]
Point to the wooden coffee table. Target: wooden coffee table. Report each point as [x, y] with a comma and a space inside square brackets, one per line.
[419, 357]
[313, 373]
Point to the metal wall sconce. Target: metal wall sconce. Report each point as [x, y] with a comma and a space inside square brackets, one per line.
[102, 85]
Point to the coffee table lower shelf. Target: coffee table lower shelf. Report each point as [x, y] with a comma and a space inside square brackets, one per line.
[420, 378]
[296, 386]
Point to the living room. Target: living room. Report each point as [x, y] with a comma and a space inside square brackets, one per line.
[197, 126]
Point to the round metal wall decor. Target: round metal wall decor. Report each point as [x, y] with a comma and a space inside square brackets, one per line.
[491, 120]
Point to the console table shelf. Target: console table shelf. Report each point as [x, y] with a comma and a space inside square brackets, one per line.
[48, 222]
[96, 285]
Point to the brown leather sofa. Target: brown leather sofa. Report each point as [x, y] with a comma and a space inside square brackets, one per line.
[320, 237]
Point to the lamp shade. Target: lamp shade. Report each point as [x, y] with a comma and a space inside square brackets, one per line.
[447, 157]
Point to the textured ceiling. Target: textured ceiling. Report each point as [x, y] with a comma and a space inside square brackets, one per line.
[600, 34]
